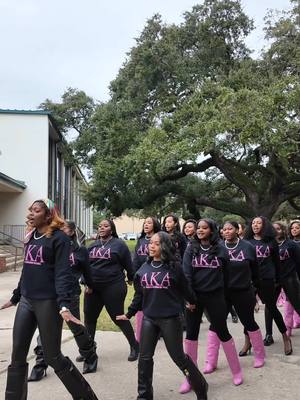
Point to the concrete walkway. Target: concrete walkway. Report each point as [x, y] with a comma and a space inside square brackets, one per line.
[116, 377]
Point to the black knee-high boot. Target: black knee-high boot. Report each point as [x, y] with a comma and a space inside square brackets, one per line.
[128, 332]
[16, 385]
[75, 383]
[145, 375]
[196, 379]
[39, 370]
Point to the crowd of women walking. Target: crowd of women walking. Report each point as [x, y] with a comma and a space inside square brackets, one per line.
[177, 276]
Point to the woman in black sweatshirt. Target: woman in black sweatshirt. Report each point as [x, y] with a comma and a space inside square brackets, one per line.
[240, 276]
[294, 234]
[204, 263]
[171, 225]
[45, 297]
[109, 257]
[151, 225]
[289, 254]
[79, 263]
[160, 286]
[261, 235]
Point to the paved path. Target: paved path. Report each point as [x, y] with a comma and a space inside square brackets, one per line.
[116, 377]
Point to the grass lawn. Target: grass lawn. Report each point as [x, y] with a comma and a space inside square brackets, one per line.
[104, 322]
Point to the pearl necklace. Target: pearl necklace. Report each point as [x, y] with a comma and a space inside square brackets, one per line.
[231, 248]
[203, 248]
[156, 266]
[105, 243]
[37, 238]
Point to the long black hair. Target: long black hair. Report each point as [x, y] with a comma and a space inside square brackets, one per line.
[156, 226]
[189, 221]
[295, 221]
[112, 227]
[267, 234]
[214, 238]
[175, 219]
[167, 249]
[71, 225]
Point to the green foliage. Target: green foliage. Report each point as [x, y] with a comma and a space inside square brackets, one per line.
[193, 121]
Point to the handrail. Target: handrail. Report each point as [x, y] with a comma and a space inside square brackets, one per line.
[10, 240]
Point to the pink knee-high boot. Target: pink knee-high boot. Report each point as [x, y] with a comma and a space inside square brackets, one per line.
[191, 349]
[233, 361]
[296, 319]
[138, 325]
[288, 317]
[212, 352]
[258, 348]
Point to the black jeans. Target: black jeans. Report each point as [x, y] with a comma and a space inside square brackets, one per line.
[171, 331]
[43, 314]
[268, 294]
[215, 304]
[291, 287]
[111, 297]
[244, 302]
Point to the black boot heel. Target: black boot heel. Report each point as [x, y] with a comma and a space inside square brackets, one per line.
[246, 352]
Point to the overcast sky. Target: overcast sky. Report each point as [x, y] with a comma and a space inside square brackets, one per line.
[48, 46]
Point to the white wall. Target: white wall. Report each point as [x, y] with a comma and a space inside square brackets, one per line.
[24, 157]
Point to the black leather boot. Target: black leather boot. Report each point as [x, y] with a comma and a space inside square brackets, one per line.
[145, 375]
[16, 384]
[196, 379]
[75, 383]
[38, 372]
[90, 364]
[134, 352]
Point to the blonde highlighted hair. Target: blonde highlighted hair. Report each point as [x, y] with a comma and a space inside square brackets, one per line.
[55, 220]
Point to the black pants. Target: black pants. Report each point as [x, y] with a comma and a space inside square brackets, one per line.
[43, 314]
[171, 331]
[244, 302]
[268, 294]
[291, 287]
[217, 310]
[84, 341]
[111, 297]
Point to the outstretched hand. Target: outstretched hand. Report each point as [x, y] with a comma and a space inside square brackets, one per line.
[6, 305]
[69, 317]
[122, 318]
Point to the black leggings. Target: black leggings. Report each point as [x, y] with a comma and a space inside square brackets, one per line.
[291, 287]
[111, 297]
[43, 314]
[268, 294]
[244, 302]
[217, 310]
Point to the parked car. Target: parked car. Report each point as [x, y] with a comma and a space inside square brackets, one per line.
[123, 236]
[131, 236]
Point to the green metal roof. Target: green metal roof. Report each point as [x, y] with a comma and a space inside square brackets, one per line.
[11, 181]
[32, 112]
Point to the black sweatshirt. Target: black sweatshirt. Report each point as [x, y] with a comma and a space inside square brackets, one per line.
[46, 270]
[108, 261]
[242, 268]
[79, 261]
[180, 243]
[289, 253]
[267, 254]
[205, 271]
[297, 242]
[159, 291]
[140, 253]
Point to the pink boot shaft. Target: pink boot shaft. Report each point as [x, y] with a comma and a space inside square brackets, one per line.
[212, 352]
[258, 348]
[191, 349]
[233, 361]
